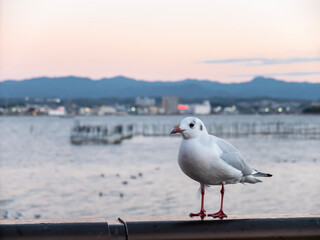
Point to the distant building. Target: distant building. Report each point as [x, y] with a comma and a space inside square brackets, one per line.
[201, 109]
[153, 110]
[145, 102]
[60, 111]
[230, 110]
[196, 108]
[184, 109]
[85, 111]
[217, 109]
[106, 110]
[170, 105]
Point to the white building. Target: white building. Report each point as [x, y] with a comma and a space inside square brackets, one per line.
[60, 111]
[106, 110]
[201, 109]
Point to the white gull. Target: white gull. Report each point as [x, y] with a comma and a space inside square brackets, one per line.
[210, 160]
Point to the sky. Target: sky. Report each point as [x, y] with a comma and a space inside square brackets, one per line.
[166, 40]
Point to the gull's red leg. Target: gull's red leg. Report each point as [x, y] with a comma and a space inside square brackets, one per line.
[202, 212]
[220, 214]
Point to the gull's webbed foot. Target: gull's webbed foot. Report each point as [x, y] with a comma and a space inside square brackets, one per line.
[202, 214]
[219, 214]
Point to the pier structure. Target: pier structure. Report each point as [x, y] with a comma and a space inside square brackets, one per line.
[116, 133]
[100, 134]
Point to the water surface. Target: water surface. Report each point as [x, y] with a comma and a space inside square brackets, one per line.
[42, 175]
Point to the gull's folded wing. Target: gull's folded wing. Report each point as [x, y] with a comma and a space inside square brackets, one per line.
[233, 157]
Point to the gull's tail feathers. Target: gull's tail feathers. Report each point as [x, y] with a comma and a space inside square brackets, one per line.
[250, 179]
[261, 174]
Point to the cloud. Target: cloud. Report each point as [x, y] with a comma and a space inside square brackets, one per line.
[278, 74]
[262, 61]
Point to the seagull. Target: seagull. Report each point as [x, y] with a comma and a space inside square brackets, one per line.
[210, 160]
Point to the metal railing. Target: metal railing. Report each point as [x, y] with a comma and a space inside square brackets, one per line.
[305, 227]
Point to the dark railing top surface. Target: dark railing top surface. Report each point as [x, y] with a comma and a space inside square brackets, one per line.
[297, 226]
[157, 218]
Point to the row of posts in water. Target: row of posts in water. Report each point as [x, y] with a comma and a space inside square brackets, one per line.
[115, 133]
[244, 129]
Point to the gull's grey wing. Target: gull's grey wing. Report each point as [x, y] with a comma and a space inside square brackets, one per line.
[233, 157]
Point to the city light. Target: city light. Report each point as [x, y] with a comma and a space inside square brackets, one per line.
[182, 107]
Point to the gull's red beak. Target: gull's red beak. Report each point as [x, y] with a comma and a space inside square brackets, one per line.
[176, 130]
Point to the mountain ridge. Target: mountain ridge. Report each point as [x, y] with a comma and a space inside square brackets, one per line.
[124, 87]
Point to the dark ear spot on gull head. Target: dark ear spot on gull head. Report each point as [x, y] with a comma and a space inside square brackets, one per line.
[201, 128]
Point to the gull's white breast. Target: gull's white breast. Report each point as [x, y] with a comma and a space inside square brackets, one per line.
[200, 160]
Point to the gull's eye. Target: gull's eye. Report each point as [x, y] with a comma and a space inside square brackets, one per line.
[191, 125]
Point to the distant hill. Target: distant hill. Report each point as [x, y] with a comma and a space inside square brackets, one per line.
[122, 87]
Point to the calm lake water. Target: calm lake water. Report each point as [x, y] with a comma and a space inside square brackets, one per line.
[42, 175]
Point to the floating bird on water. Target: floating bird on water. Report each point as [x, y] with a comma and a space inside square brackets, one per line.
[210, 160]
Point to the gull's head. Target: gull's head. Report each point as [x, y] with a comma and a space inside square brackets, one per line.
[190, 127]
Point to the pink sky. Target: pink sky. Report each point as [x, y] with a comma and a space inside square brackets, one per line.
[165, 40]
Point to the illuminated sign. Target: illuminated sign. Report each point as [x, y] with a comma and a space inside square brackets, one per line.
[182, 107]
